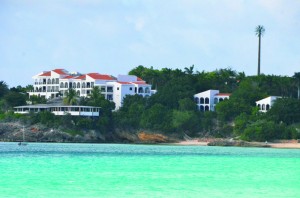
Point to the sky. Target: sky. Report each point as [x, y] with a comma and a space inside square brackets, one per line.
[115, 36]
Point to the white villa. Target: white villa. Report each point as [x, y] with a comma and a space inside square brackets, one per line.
[265, 104]
[207, 100]
[55, 83]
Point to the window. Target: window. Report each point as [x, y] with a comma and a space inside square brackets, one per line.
[130, 88]
[215, 100]
[206, 100]
[118, 88]
[109, 89]
[206, 108]
[201, 100]
[201, 108]
[109, 97]
[78, 85]
[66, 85]
[102, 88]
[61, 85]
[147, 90]
[141, 90]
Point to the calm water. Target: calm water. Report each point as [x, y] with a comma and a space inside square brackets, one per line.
[112, 170]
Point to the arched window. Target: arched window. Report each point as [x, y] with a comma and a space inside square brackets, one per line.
[267, 107]
[215, 100]
[88, 85]
[74, 85]
[147, 90]
[83, 85]
[201, 108]
[259, 107]
[221, 99]
[61, 85]
[53, 81]
[78, 93]
[197, 100]
[78, 85]
[201, 100]
[49, 81]
[66, 85]
[141, 90]
[206, 108]
[206, 100]
[263, 107]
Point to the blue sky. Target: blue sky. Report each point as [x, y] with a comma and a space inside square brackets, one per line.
[112, 37]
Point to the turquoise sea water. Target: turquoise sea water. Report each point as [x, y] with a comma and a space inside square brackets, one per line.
[112, 170]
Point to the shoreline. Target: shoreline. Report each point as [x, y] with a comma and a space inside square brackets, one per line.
[283, 145]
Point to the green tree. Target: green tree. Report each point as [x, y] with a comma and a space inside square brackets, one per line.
[259, 31]
[3, 89]
[285, 110]
[158, 117]
[71, 97]
[15, 99]
[297, 79]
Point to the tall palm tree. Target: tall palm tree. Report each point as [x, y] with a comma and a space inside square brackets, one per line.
[259, 31]
[71, 97]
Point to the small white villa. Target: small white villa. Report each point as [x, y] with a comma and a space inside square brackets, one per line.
[265, 104]
[56, 83]
[207, 100]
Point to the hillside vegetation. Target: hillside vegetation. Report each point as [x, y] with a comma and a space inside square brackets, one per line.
[172, 111]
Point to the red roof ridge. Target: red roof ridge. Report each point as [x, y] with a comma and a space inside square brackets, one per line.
[223, 94]
[123, 82]
[60, 71]
[47, 73]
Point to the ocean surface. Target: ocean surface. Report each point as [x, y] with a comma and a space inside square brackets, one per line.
[118, 170]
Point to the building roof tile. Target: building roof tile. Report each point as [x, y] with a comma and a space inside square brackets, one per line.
[48, 73]
[97, 76]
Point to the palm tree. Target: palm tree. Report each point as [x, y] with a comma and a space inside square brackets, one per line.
[95, 96]
[259, 31]
[71, 97]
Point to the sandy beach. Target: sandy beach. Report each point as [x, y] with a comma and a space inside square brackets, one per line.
[293, 144]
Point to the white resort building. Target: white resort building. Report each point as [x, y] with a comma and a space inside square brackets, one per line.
[56, 83]
[207, 100]
[265, 104]
[59, 109]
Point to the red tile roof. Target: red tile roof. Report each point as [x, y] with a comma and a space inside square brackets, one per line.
[124, 83]
[223, 94]
[139, 79]
[82, 77]
[97, 76]
[60, 71]
[48, 73]
[68, 77]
